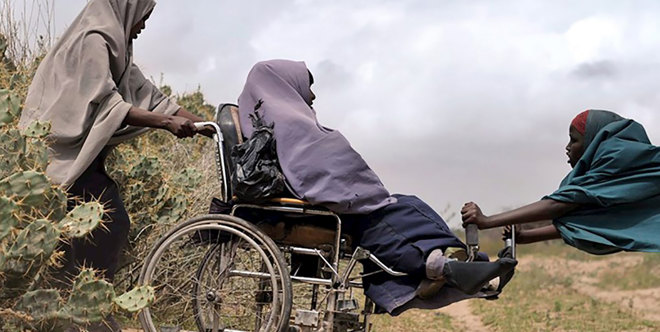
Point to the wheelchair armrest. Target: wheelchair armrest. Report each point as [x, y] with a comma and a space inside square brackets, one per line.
[290, 201]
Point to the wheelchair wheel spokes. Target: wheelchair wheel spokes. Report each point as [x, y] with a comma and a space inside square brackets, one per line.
[230, 279]
[230, 300]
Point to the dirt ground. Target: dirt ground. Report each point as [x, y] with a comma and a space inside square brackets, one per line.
[587, 275]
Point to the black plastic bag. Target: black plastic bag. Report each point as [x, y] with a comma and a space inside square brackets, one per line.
[257, 176]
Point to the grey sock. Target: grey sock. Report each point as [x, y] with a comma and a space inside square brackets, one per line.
[435, 263]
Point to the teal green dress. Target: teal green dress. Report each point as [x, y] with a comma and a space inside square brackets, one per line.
[617, 185]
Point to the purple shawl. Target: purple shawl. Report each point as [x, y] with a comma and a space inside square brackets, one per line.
[319, 163]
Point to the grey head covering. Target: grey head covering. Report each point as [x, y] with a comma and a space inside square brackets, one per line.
[319, 163]
[597, 120]
[86, 85]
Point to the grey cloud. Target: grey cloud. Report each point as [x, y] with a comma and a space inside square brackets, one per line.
[595, 70]
[451, 100]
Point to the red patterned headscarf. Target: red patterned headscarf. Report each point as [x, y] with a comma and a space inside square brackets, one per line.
[580, 122]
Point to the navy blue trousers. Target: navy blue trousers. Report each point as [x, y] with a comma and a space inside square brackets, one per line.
[401, 235]
[102, 249]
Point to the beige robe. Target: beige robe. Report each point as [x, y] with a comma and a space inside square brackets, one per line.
[86, 85]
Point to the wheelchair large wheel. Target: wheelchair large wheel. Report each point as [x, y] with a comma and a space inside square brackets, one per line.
[217, 273]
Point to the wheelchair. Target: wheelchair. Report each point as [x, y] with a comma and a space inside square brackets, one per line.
[281, 266]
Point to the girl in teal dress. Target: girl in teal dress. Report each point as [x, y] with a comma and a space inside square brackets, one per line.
[609, 202]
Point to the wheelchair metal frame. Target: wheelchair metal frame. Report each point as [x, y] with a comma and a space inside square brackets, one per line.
[340, 281]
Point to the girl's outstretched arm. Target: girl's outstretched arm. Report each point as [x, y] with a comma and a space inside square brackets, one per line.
[542, 210]
[543, 233]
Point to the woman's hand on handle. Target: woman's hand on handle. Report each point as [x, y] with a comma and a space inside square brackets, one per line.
[506, 234]
[471, 214]
[182, 112]
[179, 126]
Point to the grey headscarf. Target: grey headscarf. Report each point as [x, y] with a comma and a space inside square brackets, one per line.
[86, 85]
[318, 162]
[597, 120]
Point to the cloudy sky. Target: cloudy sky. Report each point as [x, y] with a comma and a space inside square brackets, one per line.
[449, 100]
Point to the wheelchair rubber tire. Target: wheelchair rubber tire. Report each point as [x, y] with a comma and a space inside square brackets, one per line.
[248, 239]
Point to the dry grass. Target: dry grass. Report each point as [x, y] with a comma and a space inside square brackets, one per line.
[28, 25]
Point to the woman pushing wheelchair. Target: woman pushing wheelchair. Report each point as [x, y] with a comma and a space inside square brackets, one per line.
[322, 168]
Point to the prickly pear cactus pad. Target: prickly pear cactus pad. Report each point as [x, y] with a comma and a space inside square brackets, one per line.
[12, 144]
[136, 300]
[10, 107]
[43, 304]
[173, 209]
[37, 129]
[8, 220]
[82, 220]
[28, 187]
[55, 208]
[36, 155]
[85, 276]
[90, 300]
[12, 149]
[147, 168]
[189, 178]
[33, 247]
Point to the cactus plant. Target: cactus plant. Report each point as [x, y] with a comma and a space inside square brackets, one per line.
[90, 301]
[136, 299]
[35, 156]
[9, 107]
[34, 218]
[12, 149]
[189, 178]
[32, 248]
[173, 209]
[8, 220]
[147, 168]
[28, 186]
[44, 307]
[13, 143]
[82, 220]
[42, 304]
[37, 129]
[55, 204]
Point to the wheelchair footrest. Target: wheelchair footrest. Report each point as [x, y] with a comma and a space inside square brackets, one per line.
[307, 318]
[347, 305]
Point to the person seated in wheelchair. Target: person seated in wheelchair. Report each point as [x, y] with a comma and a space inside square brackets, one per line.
[609, 202]
[323, 169]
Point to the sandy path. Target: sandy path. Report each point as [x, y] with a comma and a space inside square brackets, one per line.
[463, 317]
[644, 302]
[460, 312]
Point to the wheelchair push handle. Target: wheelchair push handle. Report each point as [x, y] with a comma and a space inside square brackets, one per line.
[472, 240]
[472, 235]
[510, 241]
[207, 124]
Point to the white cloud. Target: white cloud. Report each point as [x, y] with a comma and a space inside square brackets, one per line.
[594, 38]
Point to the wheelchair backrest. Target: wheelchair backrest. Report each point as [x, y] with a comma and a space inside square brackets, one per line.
[227, 118]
